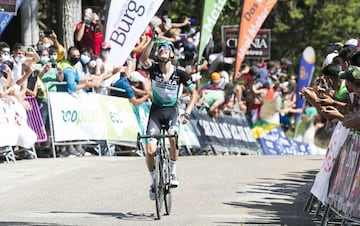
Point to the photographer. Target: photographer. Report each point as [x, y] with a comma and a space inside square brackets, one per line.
[88, 32]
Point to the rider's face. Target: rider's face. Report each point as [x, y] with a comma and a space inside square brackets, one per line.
[164, 52]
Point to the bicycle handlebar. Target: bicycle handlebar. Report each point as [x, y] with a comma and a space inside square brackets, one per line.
[156, 136]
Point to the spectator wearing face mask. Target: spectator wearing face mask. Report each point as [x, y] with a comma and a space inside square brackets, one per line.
[71, 75]
[50, 41]
[86, 66]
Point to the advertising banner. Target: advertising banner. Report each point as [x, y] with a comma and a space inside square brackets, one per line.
[126, 21]
[92, 117]
[5, 16]
[253, 16]
[14, 130]
[320, 186]
[277, 143]
[211, 13]
[227, 131]
[306, 71]
[260, 48]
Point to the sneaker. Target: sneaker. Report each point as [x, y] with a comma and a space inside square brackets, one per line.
[71, 149]
[62, 152]
[174, 182]
[80, 149]
[152, 193]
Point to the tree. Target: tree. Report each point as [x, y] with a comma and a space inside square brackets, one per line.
[69, 12]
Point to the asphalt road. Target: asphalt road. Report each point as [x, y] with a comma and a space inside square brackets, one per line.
[214, 190]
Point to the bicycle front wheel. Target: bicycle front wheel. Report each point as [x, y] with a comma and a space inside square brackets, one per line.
[159, 184]
[167, 190]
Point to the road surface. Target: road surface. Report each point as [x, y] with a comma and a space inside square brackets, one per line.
[214, 190]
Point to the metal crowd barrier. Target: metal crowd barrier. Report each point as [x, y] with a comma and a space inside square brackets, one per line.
[51, 135]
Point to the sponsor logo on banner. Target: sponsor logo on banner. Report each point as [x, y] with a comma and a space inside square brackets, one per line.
[126, 21]
[253, 16]
[260, 47]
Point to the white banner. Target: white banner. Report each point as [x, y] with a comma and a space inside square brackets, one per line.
[320, 187]
[14, 130]
[91, 116]
[126, 21]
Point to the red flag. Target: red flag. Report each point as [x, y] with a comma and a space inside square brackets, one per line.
[253, 16]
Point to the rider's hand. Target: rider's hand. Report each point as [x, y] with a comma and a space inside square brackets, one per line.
[185, 118]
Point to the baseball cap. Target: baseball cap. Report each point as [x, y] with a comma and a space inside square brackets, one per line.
[215, 76]
[105, 45]
[352, 42]
[351, 74]
[332, 70]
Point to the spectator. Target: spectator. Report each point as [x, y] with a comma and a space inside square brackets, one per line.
[103, 71]
[49, 72]
[50, 41]
[71, 75]
[211, 96]
[86, 66]
[88, 32]
[305, 128]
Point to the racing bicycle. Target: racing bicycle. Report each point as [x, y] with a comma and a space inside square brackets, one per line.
[162, 171]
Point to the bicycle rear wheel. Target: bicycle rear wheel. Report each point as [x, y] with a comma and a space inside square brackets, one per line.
[159, 184]
[167, 188]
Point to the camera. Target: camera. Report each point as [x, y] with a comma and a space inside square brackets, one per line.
[53, 65]
[47, 33]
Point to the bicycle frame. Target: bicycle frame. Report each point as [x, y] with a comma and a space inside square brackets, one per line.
[162, 171]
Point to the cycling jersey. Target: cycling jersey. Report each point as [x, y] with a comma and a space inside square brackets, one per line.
[166, 93]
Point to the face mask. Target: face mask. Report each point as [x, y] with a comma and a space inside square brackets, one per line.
[53, 58]
[74, 60]
[5, 57]
[84, 59]
[105, 54]
[44, 59]
[47, 45]
[92, 64]
[20, 59]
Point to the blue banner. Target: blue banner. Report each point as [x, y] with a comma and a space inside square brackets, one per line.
[5, 18]
[277, 143]
[306, 71]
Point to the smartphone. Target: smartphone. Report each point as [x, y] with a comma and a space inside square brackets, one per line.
[168, 22]
[48, 32]
[2, 67]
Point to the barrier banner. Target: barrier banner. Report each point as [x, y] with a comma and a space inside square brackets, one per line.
[228, 131]
[126, 21]
[91, 116]
[6, 17]
[277, 143]
[14, 130]
[344, 175]
[320, 186]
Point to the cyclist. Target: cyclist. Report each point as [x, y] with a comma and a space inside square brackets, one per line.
[166, 81]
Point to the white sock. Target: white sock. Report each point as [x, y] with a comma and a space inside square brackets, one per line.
[172, 166]
[152, 176]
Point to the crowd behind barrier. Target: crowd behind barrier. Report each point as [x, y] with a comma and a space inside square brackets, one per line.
[335, 191]
[75, 120]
